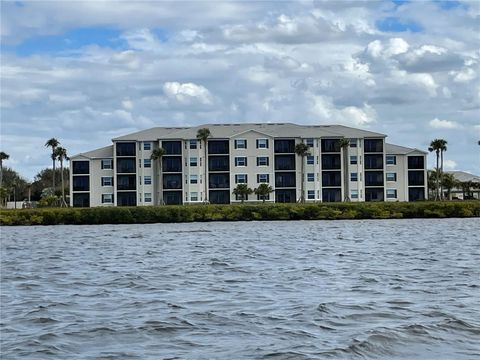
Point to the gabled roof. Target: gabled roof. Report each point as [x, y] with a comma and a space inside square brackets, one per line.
[229, 130]
[464, 176]
[400, 150]
[101, 153]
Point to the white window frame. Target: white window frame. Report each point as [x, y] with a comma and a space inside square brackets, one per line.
[107, 202]
[147, 178]
[107, 177]
[147, 197]
[264, 158]
[237, 160]
[262, 143]
[237, 143]
[388, 157]
[237, 177]
[395, 193]
[110, 162]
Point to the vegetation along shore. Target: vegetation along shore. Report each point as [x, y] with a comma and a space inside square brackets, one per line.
[239, 212]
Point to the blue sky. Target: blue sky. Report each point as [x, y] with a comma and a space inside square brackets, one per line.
[85, 72]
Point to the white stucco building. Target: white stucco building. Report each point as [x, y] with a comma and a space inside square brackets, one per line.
[122, 174]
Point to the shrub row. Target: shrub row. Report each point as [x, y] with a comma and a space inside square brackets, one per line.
[245, 212]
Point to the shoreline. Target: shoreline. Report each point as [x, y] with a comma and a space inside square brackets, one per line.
[239, 212]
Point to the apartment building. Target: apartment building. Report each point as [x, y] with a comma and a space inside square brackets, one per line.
[123, 174]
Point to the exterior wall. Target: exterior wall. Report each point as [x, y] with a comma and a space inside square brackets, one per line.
[96, 188]
[401, 171]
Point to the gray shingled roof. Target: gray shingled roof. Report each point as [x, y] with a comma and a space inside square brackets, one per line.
[400, 150]
[464, 176]
[103, 153]
[229, 130]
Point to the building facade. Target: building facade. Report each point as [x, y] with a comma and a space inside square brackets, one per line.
[368, 169]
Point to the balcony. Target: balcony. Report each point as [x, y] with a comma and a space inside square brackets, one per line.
[218, 163]
[284, 162]
[416, 178]
[172, 181]
[374, 178]
[331, 178]
[331, 162]
[172, 164]
[374, 162]
[373, 145]
[126, 149]
[126, 182]
[81, 183]
[416, 162]
[285, 146]
[80, 167]
[218, 147]
[219, 181]
[126, 166]
[283, 180]
[172, 147]
[330, 145]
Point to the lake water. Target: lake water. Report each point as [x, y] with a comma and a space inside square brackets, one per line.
[388, 289]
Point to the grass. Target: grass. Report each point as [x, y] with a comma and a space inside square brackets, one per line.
[237, 212]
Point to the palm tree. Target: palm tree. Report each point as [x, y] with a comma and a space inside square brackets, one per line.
[344, 144]
[53, 143]
[301, 150]
[436, 145]
[448, 182]
[156, 156]
[443, 148]
[243, 191]
[3, 156]
[203, 135]
[263, 190]
[61, 155]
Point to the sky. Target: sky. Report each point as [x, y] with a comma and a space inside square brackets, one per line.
[85, 72]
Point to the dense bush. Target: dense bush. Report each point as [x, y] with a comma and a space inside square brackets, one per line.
[245, 212]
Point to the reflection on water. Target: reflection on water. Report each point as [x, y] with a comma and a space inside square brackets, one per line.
[393, 289]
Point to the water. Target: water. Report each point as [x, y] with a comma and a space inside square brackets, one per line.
[393, 289]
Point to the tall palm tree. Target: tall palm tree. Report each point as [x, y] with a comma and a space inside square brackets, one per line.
[203, 135]
[53, 143]
[443, 148]
[301, 150]
[345, 144]
[156, 156]
[436, 145]
[61, 155]
[3, 156]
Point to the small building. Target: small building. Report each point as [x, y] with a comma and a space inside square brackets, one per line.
[472, 191]
[122, 174]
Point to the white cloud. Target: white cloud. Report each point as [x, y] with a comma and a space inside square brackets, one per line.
[187, 93]
[449, 165]
[443, 124]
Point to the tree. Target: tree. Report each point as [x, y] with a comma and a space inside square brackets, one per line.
[443, 148]
[203, 135]
[432, 183]
[43, 180]
[61, 155]
[263, 191]
[3, 156]
[345, 144]
[242, 191]
[436, 145]
[15, 187]
[301, 150]
[53, 143]
[156, 156]
[448, 183]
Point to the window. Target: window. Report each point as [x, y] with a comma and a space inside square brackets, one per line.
[147, 163]
[107, 198]
[262, 161]
[240, 144]
[354, 194]
[107, 164]
[310, 177]
[263, 178]
[193, 144]
[391, 160]
[391, 176]
[147, 180]
[147, 197]
[353, 176]
[391, 193]
[193, 179]
[107, 181]
[311, 194]
[309, 142]
[262, 143]
[353, 143]
[194, 196]
[241, 179]
[353, 160]
[147, 146]
[240, 161]
[193, 161]
[310, 160]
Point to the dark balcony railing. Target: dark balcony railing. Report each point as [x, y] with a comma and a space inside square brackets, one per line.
[285, 146]
[218, 163]
[331, 161]
[218, 147]
[126, 149]
[330, 145]
[126, 182]
[172, 164]
[374, 161]
[284, 162]
[416, 178]
[126, 166]
[331, 178]
[416, 162]
[374, 178]
[285, 179]
[373, 145]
